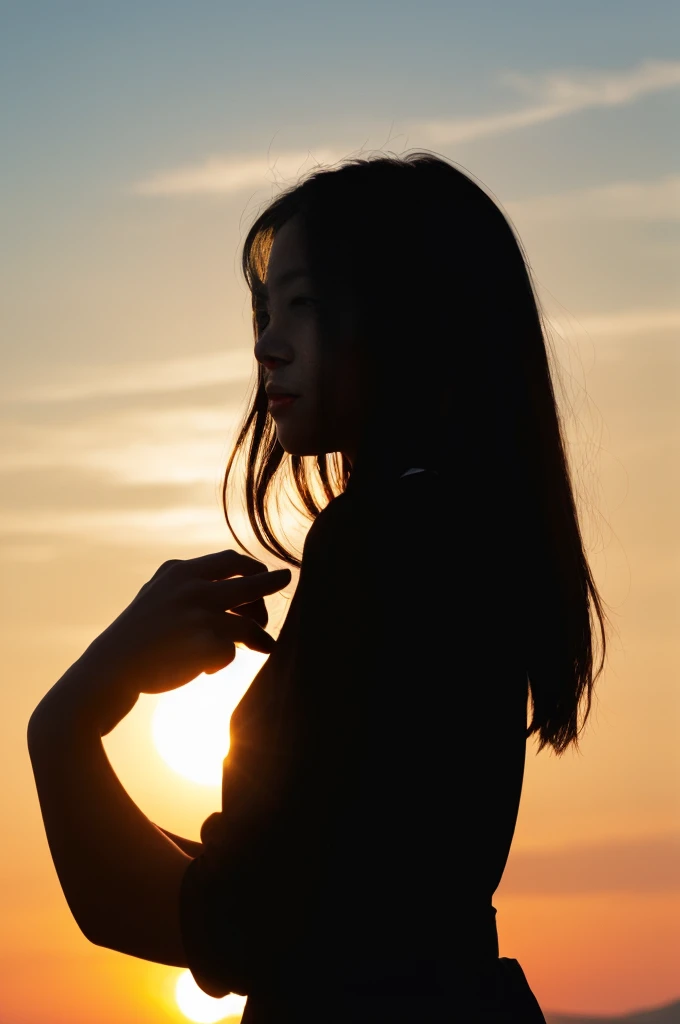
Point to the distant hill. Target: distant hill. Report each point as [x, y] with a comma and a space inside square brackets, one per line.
[669, 1014]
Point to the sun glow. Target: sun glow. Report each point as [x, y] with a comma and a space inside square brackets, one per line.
[190, 725]
[202, 1008]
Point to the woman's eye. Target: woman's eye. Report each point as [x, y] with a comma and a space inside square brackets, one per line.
[263, 316]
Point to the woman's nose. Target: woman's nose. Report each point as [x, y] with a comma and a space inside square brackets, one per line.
[270, 354]
[270, 364]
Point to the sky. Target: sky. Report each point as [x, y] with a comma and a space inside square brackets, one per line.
[139, 142]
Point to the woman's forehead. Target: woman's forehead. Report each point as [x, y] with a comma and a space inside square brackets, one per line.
[287, 251]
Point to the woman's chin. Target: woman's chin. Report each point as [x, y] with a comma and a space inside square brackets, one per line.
[301, 446]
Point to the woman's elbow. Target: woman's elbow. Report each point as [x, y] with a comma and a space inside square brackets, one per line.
[145, 943]
[99, 925]
[146, 929]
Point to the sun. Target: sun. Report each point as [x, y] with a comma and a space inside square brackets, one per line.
[190, 725]
[202, 1008]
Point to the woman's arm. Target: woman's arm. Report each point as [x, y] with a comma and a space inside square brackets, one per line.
[120, 874]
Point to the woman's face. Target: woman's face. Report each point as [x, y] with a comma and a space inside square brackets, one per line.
[289, 349]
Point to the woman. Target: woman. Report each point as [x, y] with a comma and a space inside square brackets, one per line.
[374, 775]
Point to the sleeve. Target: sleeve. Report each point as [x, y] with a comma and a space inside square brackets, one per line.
[211, 916]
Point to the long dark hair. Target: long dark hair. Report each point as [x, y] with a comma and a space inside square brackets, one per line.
[423, 266]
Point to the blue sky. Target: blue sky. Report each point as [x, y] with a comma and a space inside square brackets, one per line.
[101, 98]
[99, 93]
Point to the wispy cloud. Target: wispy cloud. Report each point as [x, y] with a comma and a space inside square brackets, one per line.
[146, 377]
[165, 466]
[38, 534]
[634, 865]
[182, 445]
[178, 525]
[226, 174]
[183, 523]
[557, 95]
[550, 97]
[622, 200]
[624, 324]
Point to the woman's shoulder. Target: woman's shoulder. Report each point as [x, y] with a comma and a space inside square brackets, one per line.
[371, 513]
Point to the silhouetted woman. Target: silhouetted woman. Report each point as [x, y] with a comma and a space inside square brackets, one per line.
[373, 781]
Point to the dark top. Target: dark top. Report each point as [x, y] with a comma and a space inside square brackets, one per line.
[372, 784]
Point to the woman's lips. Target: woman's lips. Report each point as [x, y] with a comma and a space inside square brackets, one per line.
[277, 402]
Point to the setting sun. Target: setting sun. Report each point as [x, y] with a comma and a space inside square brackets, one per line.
[190, 725]
[202, 1008]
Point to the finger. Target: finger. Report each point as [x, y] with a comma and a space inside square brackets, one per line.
[222, 564]
[222, 653]
[243, 590]
[165, 567]
[257, 610]
[232, 629]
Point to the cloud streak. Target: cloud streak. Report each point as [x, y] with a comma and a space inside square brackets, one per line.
[148, 377]
[624, 200]
[558, 95]
[625, 324]
[154, 527]
[38, 534]
[634, 865]
[182, 450]
[179, 446]
[551, 96]
[229, 174]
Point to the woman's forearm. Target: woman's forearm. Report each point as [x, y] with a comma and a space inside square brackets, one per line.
[120, 874]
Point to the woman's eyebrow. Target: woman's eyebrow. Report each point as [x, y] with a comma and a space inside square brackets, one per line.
[283, 278]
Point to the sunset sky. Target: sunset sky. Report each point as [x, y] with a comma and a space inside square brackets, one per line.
[139, 142]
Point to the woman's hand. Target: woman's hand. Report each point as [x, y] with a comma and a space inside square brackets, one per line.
[186, 620]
